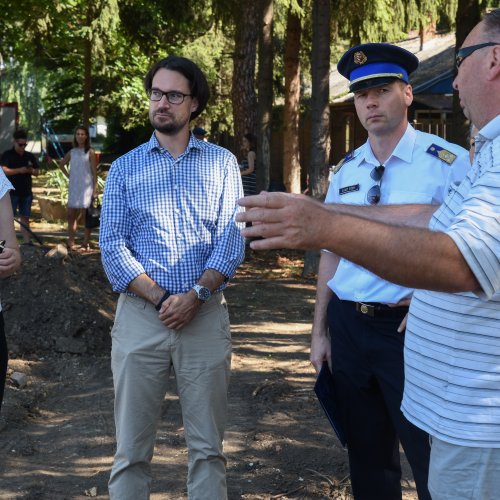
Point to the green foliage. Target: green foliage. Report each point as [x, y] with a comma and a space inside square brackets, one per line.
[55, 179]
[42, 43]
[370, 20]
[26, 85]
[212, 52]
[388, 20]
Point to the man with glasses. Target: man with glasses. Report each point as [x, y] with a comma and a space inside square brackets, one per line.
[169, 246]
[19, 165]
[452, 344]
[357, 314]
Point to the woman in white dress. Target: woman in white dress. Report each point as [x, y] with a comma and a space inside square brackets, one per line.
[82, 182]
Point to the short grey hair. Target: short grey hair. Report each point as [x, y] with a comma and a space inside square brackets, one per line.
[492, 24]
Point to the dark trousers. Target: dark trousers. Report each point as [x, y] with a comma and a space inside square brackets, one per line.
[4, 358]
[368, 370]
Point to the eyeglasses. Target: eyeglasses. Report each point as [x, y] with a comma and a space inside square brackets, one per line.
[22, 144]
[172, 97]
[465, 52]
[373, 195]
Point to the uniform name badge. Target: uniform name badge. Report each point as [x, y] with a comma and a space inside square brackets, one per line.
[349, 189]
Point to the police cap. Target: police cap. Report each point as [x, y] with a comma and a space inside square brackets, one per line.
[373, 64]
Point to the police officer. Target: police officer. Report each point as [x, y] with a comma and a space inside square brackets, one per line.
[357, 314]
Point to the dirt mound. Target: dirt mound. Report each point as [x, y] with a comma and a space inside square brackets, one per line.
[57, 437]
[57, 305]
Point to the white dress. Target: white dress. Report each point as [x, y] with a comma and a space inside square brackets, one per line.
[81, 181]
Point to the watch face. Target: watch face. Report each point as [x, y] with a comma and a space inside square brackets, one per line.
[202, 292]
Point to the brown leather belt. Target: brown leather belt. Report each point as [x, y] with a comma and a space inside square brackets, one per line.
[377, 310]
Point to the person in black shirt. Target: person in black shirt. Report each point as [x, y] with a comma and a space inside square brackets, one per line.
[19, 166]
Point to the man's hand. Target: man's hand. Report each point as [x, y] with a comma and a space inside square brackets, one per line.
[402, 303]
[283, 220]
[178, 310]
[10, 260]
[320, 350]
[402, 325]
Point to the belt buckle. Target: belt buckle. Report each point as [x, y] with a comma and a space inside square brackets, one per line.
[365, 309]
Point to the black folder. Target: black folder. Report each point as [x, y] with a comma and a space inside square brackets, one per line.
[325, 392]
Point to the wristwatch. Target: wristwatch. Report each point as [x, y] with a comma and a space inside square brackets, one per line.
[202, 292]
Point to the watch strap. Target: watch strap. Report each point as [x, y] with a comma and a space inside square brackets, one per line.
[165, 296]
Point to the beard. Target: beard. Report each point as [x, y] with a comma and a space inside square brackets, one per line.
[169, 126]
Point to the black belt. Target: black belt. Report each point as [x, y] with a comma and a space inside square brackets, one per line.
[377, 310]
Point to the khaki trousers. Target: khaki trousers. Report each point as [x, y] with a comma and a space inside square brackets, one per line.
[143, 352]
[463, 472]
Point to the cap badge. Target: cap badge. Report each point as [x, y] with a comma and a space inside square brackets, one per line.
[360, 58]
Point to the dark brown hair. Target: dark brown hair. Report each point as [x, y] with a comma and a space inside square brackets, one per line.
[20, 134]
[252, 141]
[87, 140]
[198, 85]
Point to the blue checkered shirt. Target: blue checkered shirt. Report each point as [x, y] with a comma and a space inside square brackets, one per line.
[171, 218]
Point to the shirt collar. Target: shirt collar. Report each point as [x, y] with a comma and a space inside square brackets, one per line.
[489, 132]
[403, 149]
[154, 145]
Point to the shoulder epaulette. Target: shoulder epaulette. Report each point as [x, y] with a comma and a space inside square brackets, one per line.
[347, 158]
[441, 153]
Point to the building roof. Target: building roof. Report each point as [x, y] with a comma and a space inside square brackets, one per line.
[433, 76]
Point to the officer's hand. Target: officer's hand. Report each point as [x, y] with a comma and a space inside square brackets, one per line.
[320, 350]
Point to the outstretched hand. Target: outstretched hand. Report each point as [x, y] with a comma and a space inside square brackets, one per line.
[283, 220]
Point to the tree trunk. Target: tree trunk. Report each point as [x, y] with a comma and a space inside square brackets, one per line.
[320, 112]
[87, 69]
[265, 101]
[320, 108]
[468, 15]
[243, 88]
[291, 113]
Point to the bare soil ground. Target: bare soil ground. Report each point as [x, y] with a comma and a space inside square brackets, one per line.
[57, 440]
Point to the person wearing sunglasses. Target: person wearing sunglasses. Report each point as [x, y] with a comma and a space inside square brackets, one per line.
[20, 165]
[169, 246]
[357, 314]
[451, 257]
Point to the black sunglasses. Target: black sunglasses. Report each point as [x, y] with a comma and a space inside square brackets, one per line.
[373, 195]
[465, 52]
[22, 144]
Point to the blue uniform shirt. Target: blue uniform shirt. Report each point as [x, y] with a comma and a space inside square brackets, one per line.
[171, 218]
[414, 173]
